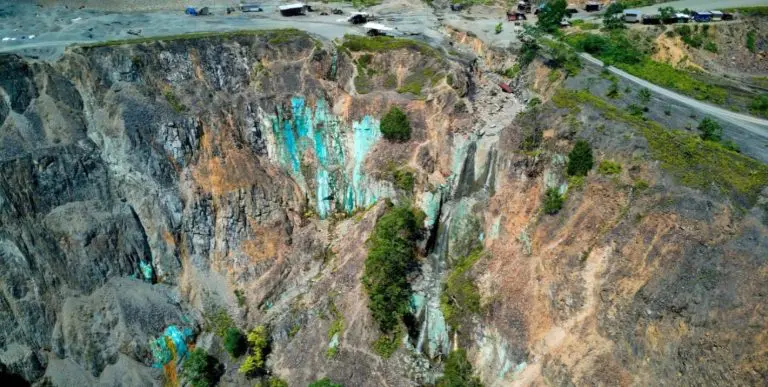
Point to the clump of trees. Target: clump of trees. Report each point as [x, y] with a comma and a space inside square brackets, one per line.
[391, 257]
[551, 15]
[710, 130]
[580, 160]
[395, 125]
[201, 369]
[458, 372]
[553, 201]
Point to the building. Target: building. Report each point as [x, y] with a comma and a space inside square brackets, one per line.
[293, 9]
[592, 6]
[632, 16]
[702, 16]
[716, 15]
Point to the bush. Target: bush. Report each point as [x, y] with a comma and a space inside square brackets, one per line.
[395, 125]
[553, 201]
[391, 257]
[760, 105]
[325, 382]
[234, 342]
[644, 95]
[580, 159]
[258, 343]
[200, 369]
[403, 179]
[274, 382]
[458, 372]
[710, 130]
[498, 28]
[751, 35]
[460, 297]
[608, 167]
[386, 345]
[711, 47]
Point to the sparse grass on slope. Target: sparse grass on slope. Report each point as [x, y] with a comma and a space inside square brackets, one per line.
[695, 162]
[275, 37]
[384, 43]
[751, 11]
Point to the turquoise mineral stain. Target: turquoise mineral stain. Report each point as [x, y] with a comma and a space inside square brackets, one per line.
[337, 179]
[162, 353]
[146, 270]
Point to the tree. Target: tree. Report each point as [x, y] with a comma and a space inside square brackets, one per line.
[551, 15]
[580, 159]
[234, 342]
[200, 369]
[395, 125]
[710, 130]
[391, 257]
[667, 13]
[612, 19]
[258, 343]
[458, 372]
[553, 201]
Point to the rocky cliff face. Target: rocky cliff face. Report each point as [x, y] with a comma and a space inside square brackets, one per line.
[153, 189]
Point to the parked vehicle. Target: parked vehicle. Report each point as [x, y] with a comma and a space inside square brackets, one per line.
[251, 8]
[632, 16]
[592, 6]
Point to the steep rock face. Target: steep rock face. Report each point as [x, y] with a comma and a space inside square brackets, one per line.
[150, 188]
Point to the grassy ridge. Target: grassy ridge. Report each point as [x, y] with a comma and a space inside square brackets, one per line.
[384, 43]
[275, 37]
[696, 163]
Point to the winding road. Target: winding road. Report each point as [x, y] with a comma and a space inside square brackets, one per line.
[757, 126]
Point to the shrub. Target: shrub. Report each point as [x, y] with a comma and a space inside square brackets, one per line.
[403, 179]
[710, 130]
[274, 382]
[760, 105]
[711, 47]
[644, 95]
[551, 15]
[391, 257]
[325, 382]
[608, 167]
[580, 159]
[234, 342]
[458, 372]
[498, 28]
[387, 343]
[576, 182]
[613, 90]
[635, 110]
[553, 201]
[751, 41]
[201, 369]
[395, 125]
[258, 343]
[460, 297]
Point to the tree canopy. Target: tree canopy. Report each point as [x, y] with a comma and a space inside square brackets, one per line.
[551, 15]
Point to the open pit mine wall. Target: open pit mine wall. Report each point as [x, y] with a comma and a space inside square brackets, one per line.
[138, 179]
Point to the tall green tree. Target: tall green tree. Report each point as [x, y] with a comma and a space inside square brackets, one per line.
[612, 18]
[551, 15]
[580, 159]
[395, 125]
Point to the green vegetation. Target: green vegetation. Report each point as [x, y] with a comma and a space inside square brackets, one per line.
[580, 159]
[563, 56]
[391, 257]
[273, 36]
[551, 15]
[711, 47]
[234, 342]
[553, 76]
[337, 325]
[240, 296]
[173, 100]
[258, 346]
[201, 369]
[750, 11]
[357, 43]
[608, 167]
[274, 382]
[218, 322]
[710, 130]
[512, 72]
[325, 382]
[458, 372]
[751, 37]
[395, 125]
[416, 80]
[644, 96]
[498, 28]
[613, 18]
[553, 201]
[695, 162]
[636, 110]
[358, 3]
[576, 182]
[618, 49]
[460, 298]
[403, 179]
[641, 185]
[387, 343]
[760, 105]
[584, 26]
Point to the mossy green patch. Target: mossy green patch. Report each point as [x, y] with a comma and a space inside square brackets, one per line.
[274, 37]
[356, 43]
[460, 298]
